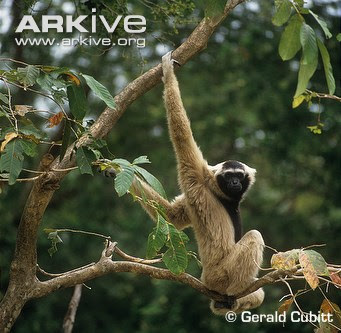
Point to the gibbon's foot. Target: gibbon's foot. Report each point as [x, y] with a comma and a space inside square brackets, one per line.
[109, 172]
[231, 300]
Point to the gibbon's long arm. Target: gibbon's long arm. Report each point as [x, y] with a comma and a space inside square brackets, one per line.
[176, 210]
[189, 157]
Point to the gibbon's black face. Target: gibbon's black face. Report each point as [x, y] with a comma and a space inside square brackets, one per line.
[233, 179]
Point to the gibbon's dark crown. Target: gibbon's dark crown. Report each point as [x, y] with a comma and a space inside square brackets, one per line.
[231, 164]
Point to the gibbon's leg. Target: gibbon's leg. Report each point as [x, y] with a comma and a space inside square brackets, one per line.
[191, 164]
[176, 210]
[243, 262]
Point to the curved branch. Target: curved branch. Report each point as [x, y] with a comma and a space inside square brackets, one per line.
[106, 265]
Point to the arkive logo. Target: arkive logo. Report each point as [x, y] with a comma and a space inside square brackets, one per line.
[132, 24]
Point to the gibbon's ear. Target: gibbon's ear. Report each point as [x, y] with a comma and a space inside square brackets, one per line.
[251, 172]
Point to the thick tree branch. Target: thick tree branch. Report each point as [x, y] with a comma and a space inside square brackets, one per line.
[106, 266]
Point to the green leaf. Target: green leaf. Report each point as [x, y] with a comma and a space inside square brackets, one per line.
[328, 70]
[84, 157]
[97, 153]
[313, 265]
[184, 237]
[30, 129]
[322, 24]
[285, 260]
[157, 238]
[121, 162]
[151, 248]
[304, 74]
[175, 258]
[55, 239]
[3, 98]
[151, 180]
[77, 101]
[141, 160]
[12, 160]
[290, 43]
[283, 12]
[28, 147]
[338, 37]
[28, 75]
[298, 101]
[66, 138]
[316, 129]
[123, 180]
[193, 255]
[100, 91]
[50, 83]
[309, 45]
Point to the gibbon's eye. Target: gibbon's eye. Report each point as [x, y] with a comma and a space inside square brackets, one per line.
[240, 175]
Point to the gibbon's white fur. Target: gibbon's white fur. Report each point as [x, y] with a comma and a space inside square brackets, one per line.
[209, 203]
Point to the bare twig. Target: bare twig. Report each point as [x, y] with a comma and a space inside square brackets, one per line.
[65, 273]
[70, 316]
[81, 232]
[13, 60]
[322, 95]
[295, 301]
[112, 247]
[20, 180]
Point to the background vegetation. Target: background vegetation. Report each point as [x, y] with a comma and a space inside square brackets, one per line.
[238, 95]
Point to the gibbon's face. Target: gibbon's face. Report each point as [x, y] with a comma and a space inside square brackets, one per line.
[234, 178]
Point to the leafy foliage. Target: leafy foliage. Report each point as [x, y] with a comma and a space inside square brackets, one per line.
[62, 86]
[165, 234]
[311, 262]
[299, 34]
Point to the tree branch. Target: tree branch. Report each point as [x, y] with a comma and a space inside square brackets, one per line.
[106, 265]
[70, 316]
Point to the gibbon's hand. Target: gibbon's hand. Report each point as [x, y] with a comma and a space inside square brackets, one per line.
[168, 63]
